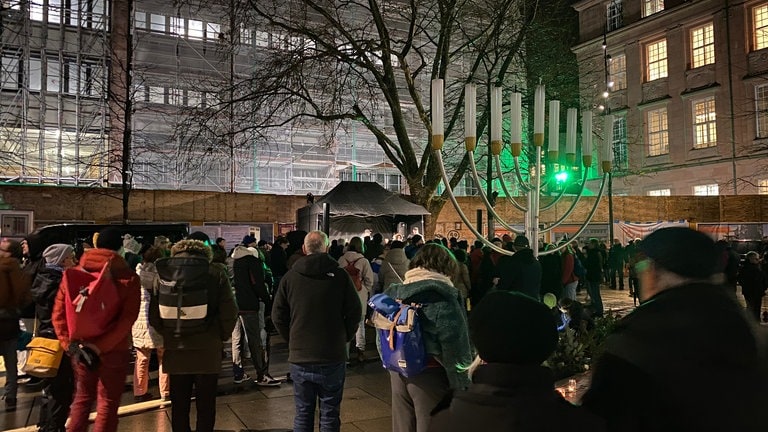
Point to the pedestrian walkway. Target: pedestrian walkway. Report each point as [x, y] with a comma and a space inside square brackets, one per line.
[246, 407]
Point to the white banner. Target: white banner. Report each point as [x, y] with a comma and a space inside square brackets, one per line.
[626, 231]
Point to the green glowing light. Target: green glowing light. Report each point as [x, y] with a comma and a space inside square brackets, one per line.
[561, 176]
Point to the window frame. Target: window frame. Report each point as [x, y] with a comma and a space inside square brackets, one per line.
[614, 15]
[652, 7]
[706, 51]
[659, 192]
[707, 128]
[615, 75]
[619, 145]
[662, 133]
[761, 127]
[762, 186]
[760, 33]
[712, 189]
[653, 68]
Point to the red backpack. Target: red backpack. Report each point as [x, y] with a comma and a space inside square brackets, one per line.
[354, 273]
[91, 303]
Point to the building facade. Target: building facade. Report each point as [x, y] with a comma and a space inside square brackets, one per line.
[687, 84]
[71, 69]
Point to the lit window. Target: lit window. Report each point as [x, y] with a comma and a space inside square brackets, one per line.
[156, 94]
[157, 23]
[246, 36]
[651, 7]
[702, 46]
[656, 56]
[762, 187]
[177, 26]
[704, 124]
[175, 96]
[195, 29]
[658, 141]
[761, 110]
[54, 11]
[706, 190]
[760, 24]
[620, 161]
[659, 192]
[36, 10]
[35, 74]
[193, 98]
[617, 72]
[9, 72]
[262, 39]
[53, 82]
[140, 20]
[212, 31]
[613, 13]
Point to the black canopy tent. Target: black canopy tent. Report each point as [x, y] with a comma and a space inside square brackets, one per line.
[362, 208]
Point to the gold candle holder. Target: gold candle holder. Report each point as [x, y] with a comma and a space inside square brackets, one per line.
[496, 148]
[470, 143]
[570, 158]
[437, 142]
[538, 139]
[552, 156]
[586, 161]
[607, 166]
[517, 149]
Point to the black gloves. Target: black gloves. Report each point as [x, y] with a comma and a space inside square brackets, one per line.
[84, 355]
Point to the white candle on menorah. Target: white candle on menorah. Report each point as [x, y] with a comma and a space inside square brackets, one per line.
[529, 182]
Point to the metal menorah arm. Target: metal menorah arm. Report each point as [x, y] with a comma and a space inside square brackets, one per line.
[572, 206]
[554, 201]
[462, 216]
[500, 178]
[586, 222]
[484, 197]
[526, 187]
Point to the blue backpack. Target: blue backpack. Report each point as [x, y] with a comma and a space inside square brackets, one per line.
[400, 337]
[578, 268]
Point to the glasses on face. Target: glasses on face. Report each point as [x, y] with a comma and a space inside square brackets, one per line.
[642, 265]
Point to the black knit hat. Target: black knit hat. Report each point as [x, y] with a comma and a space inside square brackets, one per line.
[110, 238]
[509, 327]
[682, 251]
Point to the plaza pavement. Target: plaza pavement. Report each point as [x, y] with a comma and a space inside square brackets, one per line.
[365, 407]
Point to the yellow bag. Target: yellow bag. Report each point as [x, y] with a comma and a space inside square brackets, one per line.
[43, 357]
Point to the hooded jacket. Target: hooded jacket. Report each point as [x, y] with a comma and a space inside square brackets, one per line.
[250, 288]
[118, 337]
[443, 323]
[508, 397]
[199, 353]
[144, 335]
[44, 291]
[393, 268]
[14, 294]
[316, 310]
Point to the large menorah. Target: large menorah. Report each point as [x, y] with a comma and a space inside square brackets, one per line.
[531, 182]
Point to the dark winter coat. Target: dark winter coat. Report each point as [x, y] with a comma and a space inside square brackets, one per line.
[443, 325]
[14, 294]
[551, 274]
[507, 397]
[316, 310]
[199, 353]
[594, 265]
[250, 288]
[688, 359]
[278, 261]
[520, 272]
[44, 290]
[752, 280]
[617, 257]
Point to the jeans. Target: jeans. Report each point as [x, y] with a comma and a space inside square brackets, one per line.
[56, 398]
[205, 401]
[141, 372]
[313, 382]
[8, 351]
[593, 288]
[413, 399]
[105, 385]
[360, 335]
[253, 334]
[613, 274]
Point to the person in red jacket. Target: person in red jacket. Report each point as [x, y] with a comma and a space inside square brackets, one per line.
[102, 380]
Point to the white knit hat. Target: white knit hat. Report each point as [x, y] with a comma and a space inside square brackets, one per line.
[57, 253]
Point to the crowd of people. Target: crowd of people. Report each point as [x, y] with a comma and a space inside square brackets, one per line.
[688, 358]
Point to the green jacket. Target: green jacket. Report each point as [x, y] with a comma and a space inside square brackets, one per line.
[443, 325]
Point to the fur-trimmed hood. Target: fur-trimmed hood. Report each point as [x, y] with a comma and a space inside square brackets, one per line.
[192, 247]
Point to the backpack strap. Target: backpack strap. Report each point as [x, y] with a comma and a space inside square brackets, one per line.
[393, 326]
